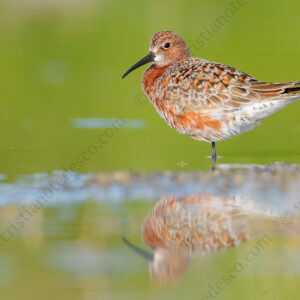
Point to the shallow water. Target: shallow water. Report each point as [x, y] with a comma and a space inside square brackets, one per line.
[65, 232]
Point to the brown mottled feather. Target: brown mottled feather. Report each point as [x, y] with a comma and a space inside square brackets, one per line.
[199, 84]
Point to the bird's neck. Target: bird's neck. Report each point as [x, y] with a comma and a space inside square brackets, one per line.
[152, 74]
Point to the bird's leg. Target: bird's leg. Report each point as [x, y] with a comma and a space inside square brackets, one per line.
[213, 156]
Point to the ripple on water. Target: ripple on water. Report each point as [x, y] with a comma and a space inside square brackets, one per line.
[274, 187]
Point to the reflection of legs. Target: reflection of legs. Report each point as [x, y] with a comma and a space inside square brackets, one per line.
[213, 156]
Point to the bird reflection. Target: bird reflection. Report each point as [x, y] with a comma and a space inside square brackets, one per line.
[179, 229]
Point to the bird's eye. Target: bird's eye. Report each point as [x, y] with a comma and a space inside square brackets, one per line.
[167, 45]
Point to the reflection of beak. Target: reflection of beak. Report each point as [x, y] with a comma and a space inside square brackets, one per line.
[139, 251]
[150, 57]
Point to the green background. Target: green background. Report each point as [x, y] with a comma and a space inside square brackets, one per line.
[60, 62]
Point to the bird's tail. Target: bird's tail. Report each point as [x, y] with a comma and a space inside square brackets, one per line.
[280, 90]
[294, 89]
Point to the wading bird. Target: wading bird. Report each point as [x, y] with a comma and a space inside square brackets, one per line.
[206, 100]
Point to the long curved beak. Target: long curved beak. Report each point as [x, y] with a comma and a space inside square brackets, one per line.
[145, 254]
[148, 58]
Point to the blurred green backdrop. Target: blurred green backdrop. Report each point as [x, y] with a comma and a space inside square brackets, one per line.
[62, 60]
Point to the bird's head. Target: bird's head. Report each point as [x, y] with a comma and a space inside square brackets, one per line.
[166, 48]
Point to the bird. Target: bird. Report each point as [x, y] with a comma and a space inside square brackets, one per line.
[206, 100]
